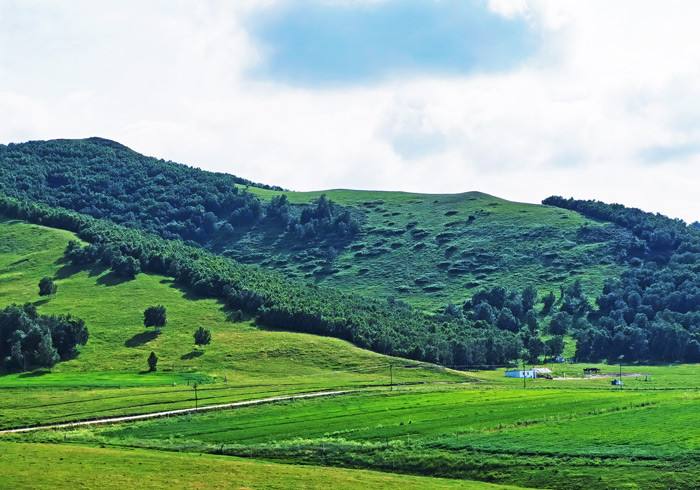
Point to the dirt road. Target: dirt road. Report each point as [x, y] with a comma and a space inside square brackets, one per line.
[128, 418]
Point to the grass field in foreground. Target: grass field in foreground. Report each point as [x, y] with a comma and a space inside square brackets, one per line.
[574, 439]
[554, 438]
[108, 376]
[32, 466]
[382, 416]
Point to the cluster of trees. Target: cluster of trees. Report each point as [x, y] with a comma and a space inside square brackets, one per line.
[653, 311]
[28, 339]
[157, 317]
[120, 264]
[104, 179]
[515, 311]
[659, 236]
[389, 327]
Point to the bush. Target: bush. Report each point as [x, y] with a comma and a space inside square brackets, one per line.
[47, 287]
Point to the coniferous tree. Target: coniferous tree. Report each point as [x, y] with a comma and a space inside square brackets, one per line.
[152, 361]
[202, 336]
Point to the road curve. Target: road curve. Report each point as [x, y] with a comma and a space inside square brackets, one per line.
[128, 418]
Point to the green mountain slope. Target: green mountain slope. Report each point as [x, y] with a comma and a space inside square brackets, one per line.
[489, 281]
[428, 250]
[255, 362]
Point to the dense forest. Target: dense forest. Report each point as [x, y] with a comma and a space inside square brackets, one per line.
[652, 311]
[104, 179]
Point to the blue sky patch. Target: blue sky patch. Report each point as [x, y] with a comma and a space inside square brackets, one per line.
[310, 42]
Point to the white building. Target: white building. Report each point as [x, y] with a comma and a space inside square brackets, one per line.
[522, 373]
[528, 373]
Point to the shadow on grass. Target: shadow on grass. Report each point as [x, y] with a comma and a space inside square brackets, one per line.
[98, 269]
[141, 338]
[191, 355]
[112, 279]
[187, 292]
[66, 271]
[34, 374]
[41, 302]
[63, 260]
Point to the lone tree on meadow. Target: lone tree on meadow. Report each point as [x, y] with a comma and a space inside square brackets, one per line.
[202, 336]
[152, 361]
[47, 287]
[155, 316]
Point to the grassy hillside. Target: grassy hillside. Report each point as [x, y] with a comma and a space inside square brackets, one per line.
[242, 362]
[484, 272]
[572, 433]
[428, 250]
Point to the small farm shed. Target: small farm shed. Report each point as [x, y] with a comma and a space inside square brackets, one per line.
[591, 370]
[521, 373]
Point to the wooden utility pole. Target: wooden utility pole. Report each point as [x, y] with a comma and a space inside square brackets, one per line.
[196, 400]
[620, 375]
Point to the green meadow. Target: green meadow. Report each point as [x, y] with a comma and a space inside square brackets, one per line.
[542, 438]
[109, 377]
[31, 466]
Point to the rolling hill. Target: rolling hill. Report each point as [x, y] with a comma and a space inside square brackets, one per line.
[455, 279]
[291, 285]
[427, 250]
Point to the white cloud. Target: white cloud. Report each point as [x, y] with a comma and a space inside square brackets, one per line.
[615, 86]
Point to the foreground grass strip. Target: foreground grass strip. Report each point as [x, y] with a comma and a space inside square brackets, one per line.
[31, 466]
[112, 420]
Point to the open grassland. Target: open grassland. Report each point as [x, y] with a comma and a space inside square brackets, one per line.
[32, 466]
[581, 439]
[431, 250]
[109, 375]
[378, 417]
[544, 438]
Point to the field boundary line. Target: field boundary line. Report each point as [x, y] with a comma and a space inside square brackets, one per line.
[180, 411]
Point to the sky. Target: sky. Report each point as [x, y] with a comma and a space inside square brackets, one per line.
[521, 99]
